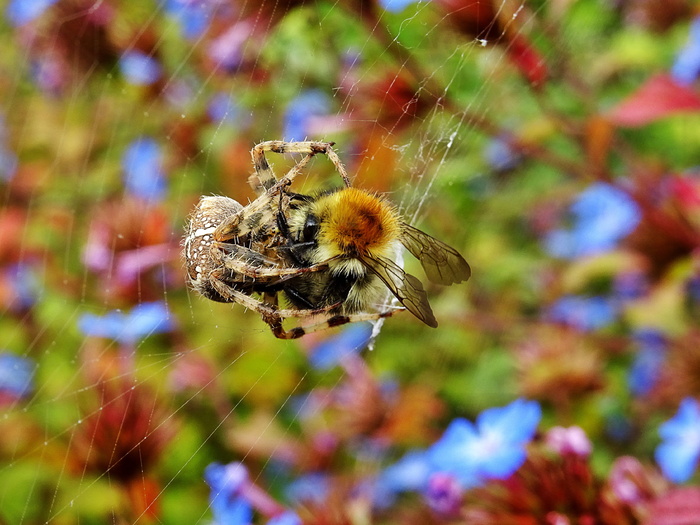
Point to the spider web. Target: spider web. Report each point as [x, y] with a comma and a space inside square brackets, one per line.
[116, 117]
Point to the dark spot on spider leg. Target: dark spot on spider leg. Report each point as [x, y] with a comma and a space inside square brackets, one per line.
[296, 333]
[338, 320]
[321, 147]
[265, 175]
[261, 163]
[280, 333]
[280, 148]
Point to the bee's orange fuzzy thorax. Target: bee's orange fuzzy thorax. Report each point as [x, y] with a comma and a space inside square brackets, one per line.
[358, 222]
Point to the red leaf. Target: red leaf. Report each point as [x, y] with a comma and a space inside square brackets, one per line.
[677, 507]
[143, 496]
[686, 190]
[658, 98]
[528, 60]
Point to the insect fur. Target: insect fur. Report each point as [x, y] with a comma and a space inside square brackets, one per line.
[330, 255]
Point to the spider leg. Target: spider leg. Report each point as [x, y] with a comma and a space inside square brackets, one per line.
[262, 211]
[255, 265]
[266, 177]
[329, 322]
[252, 219]
[234, 256]
[333, 156]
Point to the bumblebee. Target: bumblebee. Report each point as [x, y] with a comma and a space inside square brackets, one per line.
[330, 255]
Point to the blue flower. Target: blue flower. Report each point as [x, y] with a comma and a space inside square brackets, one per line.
[226, 481]
[142, 321]
[20, 12]
[24, 286]
[194, 17]
[312, 488]
[8, 164]
[630, 285]
[583, 313]
[288, 518]
[139, 68]
[8, 160]
[651, 354]
[410, 473]
[301, 111]
[494, 447]
[619, 428]
[692, 289]
[143, 169]
[223, 109]
[601, 216]
[501, 155]
[16, 376]
[396, 5]
[50, 72]
[331, 351]
[679, 452]
[686, 68]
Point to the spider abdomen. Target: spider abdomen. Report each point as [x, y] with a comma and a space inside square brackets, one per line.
[199, 237]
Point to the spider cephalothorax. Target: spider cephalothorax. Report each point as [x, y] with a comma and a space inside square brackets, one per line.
[330, 254]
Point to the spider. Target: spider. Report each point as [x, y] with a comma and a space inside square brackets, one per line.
[330, 255]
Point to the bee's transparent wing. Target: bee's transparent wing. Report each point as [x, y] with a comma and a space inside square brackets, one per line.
[442, 263]
[407, 289]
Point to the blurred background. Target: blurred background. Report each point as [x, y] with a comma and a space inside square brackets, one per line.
[555, 144]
